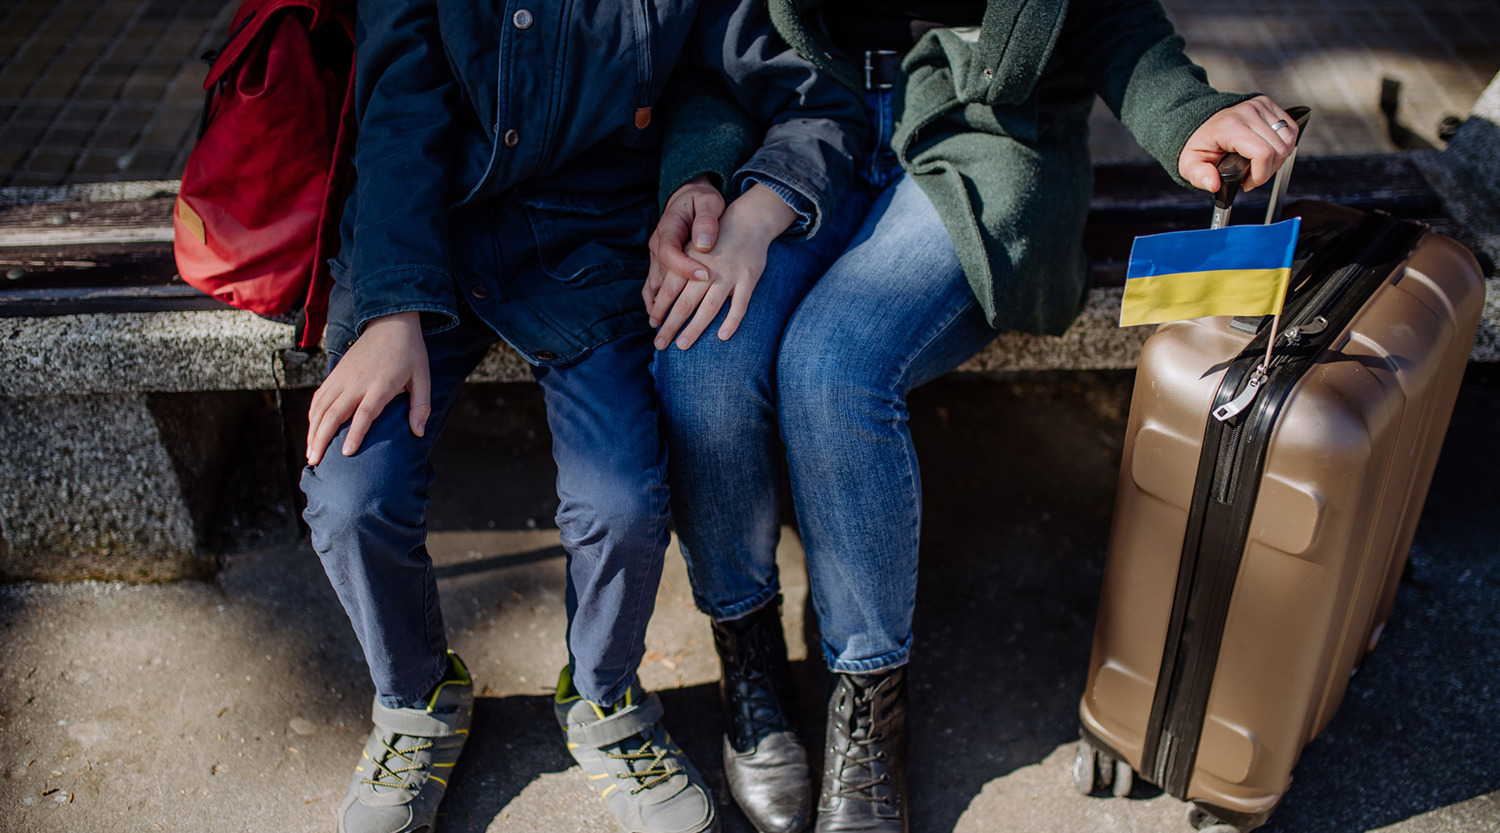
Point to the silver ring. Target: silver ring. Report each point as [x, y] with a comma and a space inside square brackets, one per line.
[1280, 123]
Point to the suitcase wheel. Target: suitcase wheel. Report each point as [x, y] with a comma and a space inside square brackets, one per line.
[1096, 769]
[1124, 779]
[1085, 773]
[1202, 821]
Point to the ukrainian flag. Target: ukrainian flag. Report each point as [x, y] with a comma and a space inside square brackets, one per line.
[1235, 270]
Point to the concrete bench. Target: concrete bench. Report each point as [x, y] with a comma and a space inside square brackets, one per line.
[117, 418]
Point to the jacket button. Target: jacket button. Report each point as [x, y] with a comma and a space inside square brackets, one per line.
[512, 138]
[522, 19]
[546, 355]
[480, 292]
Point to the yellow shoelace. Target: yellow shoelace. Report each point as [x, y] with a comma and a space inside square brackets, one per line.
[382, 771]
[654, 774]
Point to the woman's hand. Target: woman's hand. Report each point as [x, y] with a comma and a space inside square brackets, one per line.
[389, 358]
[693, 210]
[734, 265]
[1245, 129]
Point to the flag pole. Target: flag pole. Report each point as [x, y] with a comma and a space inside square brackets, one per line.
[1273, 213]
[1270, 343]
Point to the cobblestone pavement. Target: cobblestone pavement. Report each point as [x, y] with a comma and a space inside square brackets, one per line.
[101, 90]
[109, 90]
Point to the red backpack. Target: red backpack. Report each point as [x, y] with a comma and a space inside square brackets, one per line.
[257, 215]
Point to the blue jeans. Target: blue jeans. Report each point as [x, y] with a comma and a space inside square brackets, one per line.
[827, 356]
[368, 516]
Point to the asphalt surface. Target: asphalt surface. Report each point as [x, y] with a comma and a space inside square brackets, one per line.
[242, 704]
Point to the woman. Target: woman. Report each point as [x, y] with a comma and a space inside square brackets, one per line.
[980, 183]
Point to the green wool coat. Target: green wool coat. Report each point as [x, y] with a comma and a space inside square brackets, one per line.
[993, 125]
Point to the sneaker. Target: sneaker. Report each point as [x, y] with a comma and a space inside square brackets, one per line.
[631, 761]
[408, 759]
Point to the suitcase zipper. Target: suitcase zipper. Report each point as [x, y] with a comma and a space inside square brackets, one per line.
[1309, 318]
[1236, 406]
[1229, 448]
[1234, 453]
[1291, 337]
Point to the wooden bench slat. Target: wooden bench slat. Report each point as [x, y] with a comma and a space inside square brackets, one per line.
[49, 302]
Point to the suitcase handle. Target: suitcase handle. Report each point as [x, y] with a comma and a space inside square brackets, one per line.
[1233, 168]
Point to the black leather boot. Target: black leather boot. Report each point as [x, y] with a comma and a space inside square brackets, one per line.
[864, 769]
[764, 762]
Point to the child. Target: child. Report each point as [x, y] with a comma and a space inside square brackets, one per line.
[505, 165]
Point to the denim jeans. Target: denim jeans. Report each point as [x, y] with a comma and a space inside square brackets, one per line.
[828, 360]
[368, 516]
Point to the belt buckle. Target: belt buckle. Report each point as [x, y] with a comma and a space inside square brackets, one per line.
[870, 82]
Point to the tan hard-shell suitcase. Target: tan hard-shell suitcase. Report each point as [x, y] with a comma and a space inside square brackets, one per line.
[1240, 594]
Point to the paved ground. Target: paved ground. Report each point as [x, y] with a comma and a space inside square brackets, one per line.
[241, 704]
[110, 90]
[1332, 54]
[102, 90]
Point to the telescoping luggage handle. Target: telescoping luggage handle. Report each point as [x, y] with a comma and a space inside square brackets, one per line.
[1232, 170]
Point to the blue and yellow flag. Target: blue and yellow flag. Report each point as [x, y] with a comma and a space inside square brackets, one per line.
[1235, 270]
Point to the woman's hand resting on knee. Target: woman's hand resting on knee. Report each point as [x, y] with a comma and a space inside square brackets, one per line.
[694, 211]
[389, 358]
[685, 288]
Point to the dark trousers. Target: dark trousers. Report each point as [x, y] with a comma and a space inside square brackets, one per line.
[368, 517]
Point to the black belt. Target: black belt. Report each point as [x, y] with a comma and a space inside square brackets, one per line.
[882, 68]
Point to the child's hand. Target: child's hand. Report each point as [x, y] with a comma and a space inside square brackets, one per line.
[694, 210]
[389, 358]
[747, 228]
[1245, 129]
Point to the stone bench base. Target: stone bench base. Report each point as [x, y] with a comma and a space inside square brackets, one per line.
[118, 427]
[112, 486]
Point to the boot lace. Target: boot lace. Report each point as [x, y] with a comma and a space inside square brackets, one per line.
[396, 774]
[852, 746]
[759, 711]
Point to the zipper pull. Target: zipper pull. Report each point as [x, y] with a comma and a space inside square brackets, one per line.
[1234, 407]
[1313, 327]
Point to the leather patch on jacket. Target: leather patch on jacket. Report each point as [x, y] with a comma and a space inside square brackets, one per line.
[191, 221]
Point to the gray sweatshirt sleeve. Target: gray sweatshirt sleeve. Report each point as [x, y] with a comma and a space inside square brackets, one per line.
[815, 124]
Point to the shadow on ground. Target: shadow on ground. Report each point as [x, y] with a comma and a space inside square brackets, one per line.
[1019, 477]
[1018, 483]
[1420, 724]
[241, 705]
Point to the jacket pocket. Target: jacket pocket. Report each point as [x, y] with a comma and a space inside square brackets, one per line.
[590, 238]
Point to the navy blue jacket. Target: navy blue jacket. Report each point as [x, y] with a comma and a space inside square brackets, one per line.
[480, 127]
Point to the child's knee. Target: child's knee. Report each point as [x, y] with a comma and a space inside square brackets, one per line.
[360, 495]
[613, 516]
